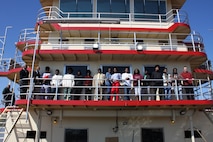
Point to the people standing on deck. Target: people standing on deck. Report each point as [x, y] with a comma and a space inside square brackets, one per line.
[108, 82]
[46, 82]
[68, 83]
[158, 83]
[8, 96]
[78, 83]
[24, 81]
[98, 82]
[187, 83]
[127, 80]
[88, 85]
[56, 82]
[116, 78]
[137, 77]
[167, 84]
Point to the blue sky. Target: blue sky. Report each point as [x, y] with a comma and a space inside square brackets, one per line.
[21, 14]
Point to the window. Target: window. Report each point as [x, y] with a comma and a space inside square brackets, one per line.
[31, 134]
[76, 6]
[196, 134]
[146, 7]
[76, 68]
[113, 6]
[76, 135]
[152, 135]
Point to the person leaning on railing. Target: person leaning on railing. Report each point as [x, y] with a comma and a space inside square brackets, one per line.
[8, 96]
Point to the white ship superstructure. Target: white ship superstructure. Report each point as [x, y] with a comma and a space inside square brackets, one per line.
[82, 35]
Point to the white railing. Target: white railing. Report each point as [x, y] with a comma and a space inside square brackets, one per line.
[202, 90]
[192, 42]
[54, 13]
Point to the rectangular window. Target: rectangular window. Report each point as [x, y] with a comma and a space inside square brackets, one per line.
[76, 135]
[76, 6]
[152, 135]
[76, 68]
[142, 9]
[196, 134]
[114, 7]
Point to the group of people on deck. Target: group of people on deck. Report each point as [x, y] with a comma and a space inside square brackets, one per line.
[112, 82]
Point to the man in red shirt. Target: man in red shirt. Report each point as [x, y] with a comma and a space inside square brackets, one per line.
[187, 83]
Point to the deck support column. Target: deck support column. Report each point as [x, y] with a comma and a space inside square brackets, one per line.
[192, 129]
[37, 138]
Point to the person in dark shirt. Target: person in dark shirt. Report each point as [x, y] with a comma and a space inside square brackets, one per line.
[8, 96]
[88, 85]
[24, 74]
[78, 83]
[158, 83]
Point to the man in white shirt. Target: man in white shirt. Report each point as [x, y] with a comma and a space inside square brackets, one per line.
[127, 83]
[68, 83]
[56, 82]
[98, 81]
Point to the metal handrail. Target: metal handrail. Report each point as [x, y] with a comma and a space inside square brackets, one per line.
[194, 43]
[54, 13]
[201, 87]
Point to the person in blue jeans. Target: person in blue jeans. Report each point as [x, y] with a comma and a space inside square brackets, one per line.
[108, 82]
[127, 79]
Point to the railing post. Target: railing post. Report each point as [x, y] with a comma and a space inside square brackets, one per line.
[96, 90]
[170, 41]
[160, 20]
[193, 42]
[50, 11]
[201, 89]
[176, 90]
[178, 16]
[139, 86]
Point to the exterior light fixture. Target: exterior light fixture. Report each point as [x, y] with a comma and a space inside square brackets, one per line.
[139, 47]
[49, 112]
[95, 46]
[173, 117]
[55, 121]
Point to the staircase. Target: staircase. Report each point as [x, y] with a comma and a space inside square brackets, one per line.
[8, 119]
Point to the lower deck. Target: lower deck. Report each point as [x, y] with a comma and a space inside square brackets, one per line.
[119, 125]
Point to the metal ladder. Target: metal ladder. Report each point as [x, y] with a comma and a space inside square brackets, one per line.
[7, 115]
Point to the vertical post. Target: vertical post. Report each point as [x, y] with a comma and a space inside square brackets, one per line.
[37, 138]
[170, 41]
[135, 41]
[201, 89]
[178, 16]
[4, 41]
[12, 96]
[192, 129]
[139, 86]
[176, 90]
[32, 69]
[193, 43]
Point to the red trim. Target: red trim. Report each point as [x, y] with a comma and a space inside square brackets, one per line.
[188, 53]
[118, 103]
[128, 28]
[203, 71]
[12, 71]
